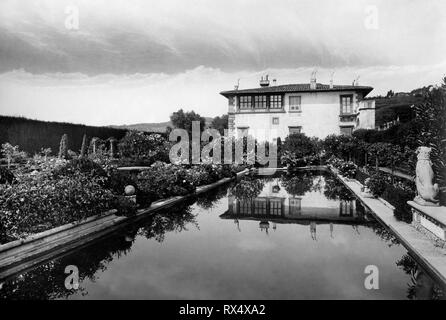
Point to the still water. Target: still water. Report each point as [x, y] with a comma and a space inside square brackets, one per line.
[287, 237]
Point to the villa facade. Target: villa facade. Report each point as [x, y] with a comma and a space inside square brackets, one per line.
[315, 109]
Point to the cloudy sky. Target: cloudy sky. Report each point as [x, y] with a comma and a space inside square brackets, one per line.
[131, 61]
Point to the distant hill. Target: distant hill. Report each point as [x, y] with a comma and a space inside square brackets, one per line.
[397, 106]
[152, 127]
[147, 127]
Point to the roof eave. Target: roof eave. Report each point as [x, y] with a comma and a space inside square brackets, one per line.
[365, 90]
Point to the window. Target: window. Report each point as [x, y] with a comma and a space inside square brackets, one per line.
[295, 206]
[260, 102]
[295, 103]
[260, 206]
[275, 120]
[275, 207]
[275, 102]
[245, 102]
[295, 130]
[347, 104]
[347, 131]
[245, 207]
[346, 208]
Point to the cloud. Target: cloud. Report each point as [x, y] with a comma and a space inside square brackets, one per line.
[172, 36]
[151, 97]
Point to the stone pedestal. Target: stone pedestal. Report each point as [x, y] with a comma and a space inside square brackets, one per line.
[131, 198]
[430, 220]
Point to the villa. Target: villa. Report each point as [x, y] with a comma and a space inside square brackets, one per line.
[315, 109]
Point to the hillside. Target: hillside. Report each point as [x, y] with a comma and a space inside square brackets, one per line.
[32, 135]
[147, 127]
[152, 127]
[389, 109]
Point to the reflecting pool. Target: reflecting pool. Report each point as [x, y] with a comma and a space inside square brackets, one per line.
[301, 236]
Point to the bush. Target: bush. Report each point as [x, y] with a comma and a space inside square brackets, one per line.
[247, 188]
[300, 145]
[82, 165]
[292, 161]
[204, 174]
[6, 176]
[335, 162]
[166, 180]
[41, 202]
[297, 185]
[347, 169]
[377, 184]
[138, 148]
[124, 206]
[118, 180]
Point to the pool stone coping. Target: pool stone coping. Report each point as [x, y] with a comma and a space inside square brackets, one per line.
[421, 245]
[22, 254]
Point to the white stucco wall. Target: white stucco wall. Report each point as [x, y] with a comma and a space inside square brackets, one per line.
[319, 116]
[366, 117]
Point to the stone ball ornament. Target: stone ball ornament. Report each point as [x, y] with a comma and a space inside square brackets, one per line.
[129, 190]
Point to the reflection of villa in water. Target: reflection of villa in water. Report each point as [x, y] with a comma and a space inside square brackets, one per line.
[275, 206]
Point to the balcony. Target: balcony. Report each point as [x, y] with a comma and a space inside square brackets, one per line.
[347, 118]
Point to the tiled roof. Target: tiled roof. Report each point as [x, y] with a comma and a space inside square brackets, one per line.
[300, 87]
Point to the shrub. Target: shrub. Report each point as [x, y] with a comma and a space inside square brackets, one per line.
[377, 184]
[124, 206]
[12, 153]
[248, 188]
[81, 165]
[201, 175]
[335, 162]
[300, 145]
[431, 115]
[348, 169]
[6, 176]
[63, 147]
[84, 150]
[41, 202]
[139, 148]
[118, 180]
[292, 161]
[165, 180]
[297, 185]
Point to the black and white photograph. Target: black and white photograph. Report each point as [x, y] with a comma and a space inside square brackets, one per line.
[222, 155]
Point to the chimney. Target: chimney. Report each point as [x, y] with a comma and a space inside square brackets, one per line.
[264, 82]
[237, 85]
[313, 80]
[331, 80]
[274, 82]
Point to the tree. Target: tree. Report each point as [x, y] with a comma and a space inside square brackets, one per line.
[139, 148]
[84, 149]
[341, 146]
[63, 147]
[431, 116]
[12, 153]
[220, 123]
[183, 120]
[378, 151]
[300, 145]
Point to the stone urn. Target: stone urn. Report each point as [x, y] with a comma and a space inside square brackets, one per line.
[427, 190]
[130, 193]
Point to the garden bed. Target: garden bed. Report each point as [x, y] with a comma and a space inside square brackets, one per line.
[24, 253]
